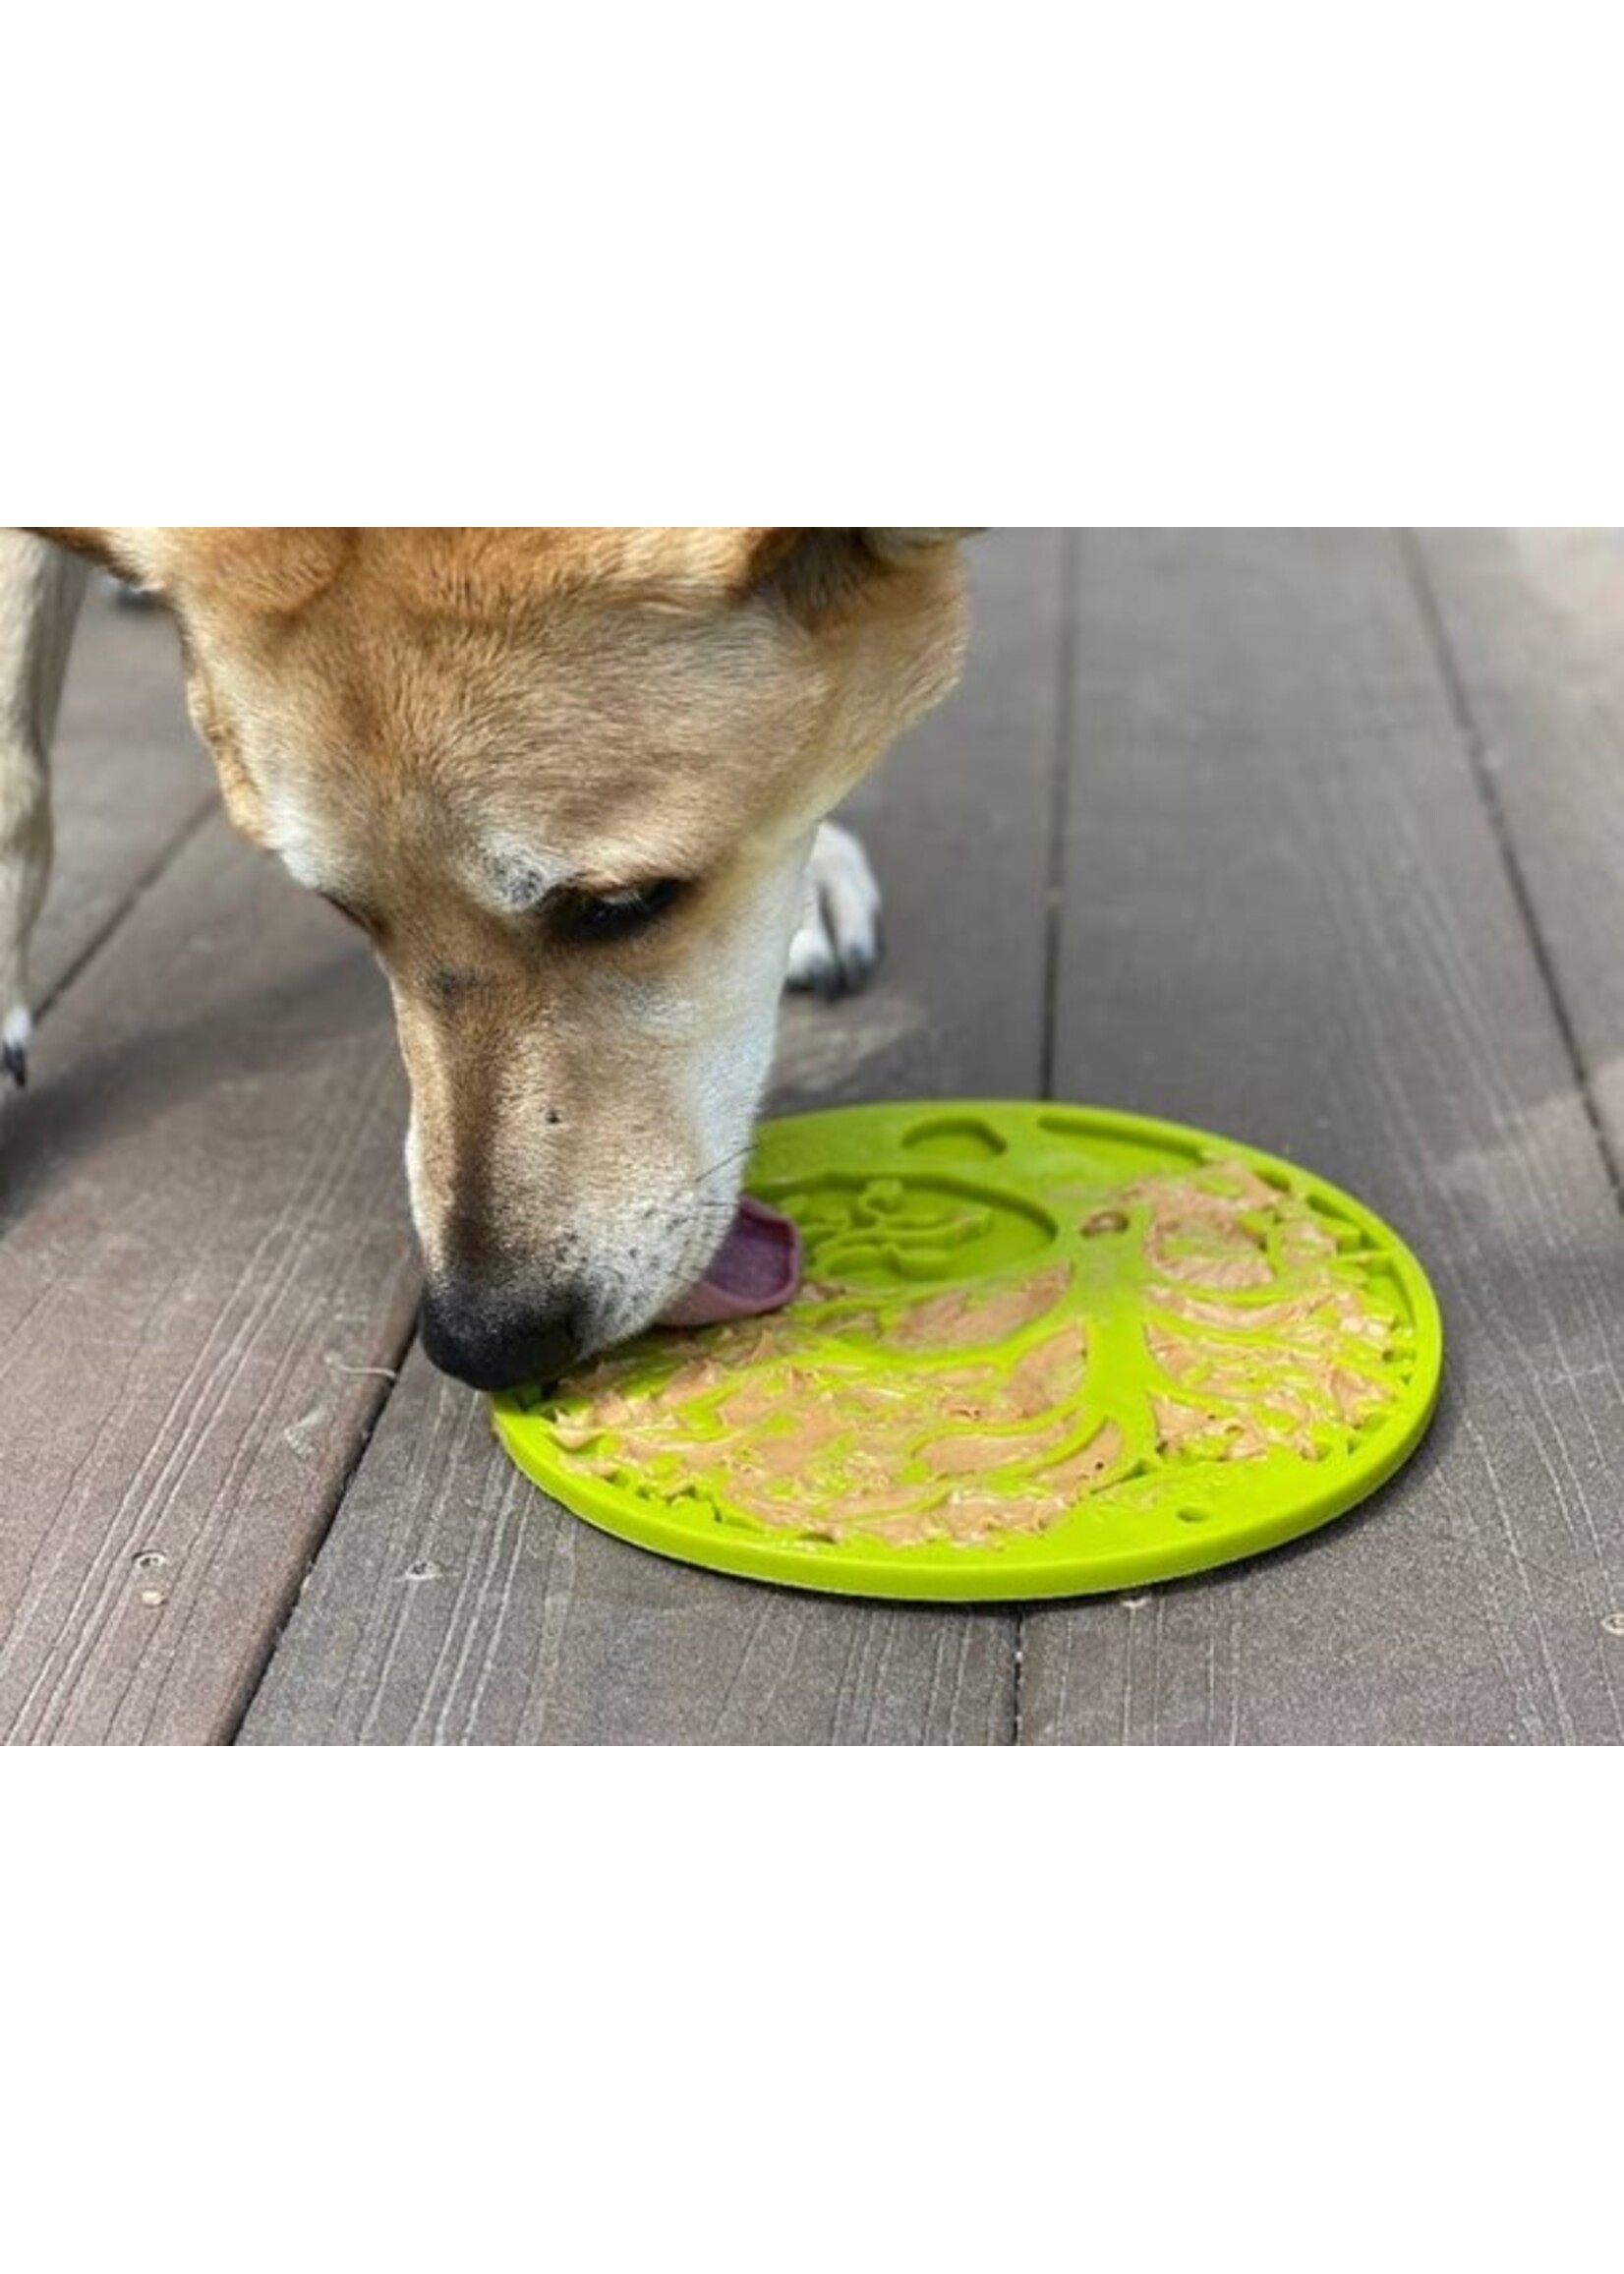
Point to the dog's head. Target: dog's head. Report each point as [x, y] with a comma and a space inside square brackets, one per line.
[565, 780]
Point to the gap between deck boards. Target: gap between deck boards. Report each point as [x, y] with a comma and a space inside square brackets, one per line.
[1475, 741]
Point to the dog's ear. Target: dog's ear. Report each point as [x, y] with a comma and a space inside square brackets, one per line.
[263, 571]
[130, 553]
[903, 545]
[813, 571]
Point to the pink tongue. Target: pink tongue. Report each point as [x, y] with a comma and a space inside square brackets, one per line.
[758, 1267]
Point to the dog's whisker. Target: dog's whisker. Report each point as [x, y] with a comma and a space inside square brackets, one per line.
[727, 1161]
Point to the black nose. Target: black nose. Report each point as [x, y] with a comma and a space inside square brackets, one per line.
[490, 1344]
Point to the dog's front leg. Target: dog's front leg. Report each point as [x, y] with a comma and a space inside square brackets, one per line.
[838, 943]
[40, 588]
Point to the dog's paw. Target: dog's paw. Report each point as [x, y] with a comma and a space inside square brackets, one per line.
[837, 945]
[16, 1032]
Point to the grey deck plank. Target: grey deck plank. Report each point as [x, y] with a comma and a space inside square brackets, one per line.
[202, 1246]
[527, 1626]
[1533, 624]
[130, 779]
[1288, 916]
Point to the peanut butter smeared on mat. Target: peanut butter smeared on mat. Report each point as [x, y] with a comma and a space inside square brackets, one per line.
[971, 1412]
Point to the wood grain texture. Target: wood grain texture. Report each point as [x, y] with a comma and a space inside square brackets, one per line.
[1286, 916]
[202, 1247]
[525, 1625]
[130, 781]
[1532, 621]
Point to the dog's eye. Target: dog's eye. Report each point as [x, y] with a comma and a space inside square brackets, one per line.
[593, 918]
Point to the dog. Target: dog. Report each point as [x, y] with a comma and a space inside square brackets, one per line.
[573, 784]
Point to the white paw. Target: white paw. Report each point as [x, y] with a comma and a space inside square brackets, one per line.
[16, 1031]
[838, 944]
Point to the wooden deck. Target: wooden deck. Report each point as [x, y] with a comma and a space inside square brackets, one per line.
[1314, 838]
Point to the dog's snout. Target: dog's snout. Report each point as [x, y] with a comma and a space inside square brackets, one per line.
[495, 1346]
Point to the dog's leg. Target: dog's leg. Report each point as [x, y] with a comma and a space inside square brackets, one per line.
[838, 944]
[40, 588]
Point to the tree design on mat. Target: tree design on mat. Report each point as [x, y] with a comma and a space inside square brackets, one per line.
[997, 1408]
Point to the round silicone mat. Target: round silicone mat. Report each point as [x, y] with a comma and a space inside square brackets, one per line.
[1041, 1351]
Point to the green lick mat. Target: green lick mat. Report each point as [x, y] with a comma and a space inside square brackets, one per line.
[1040, 1350]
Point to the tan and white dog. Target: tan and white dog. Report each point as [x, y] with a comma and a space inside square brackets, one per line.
[573, 785]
